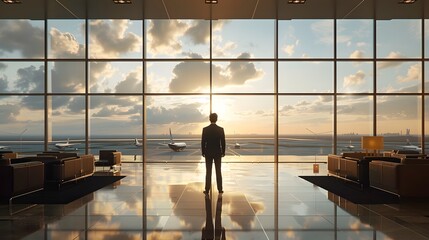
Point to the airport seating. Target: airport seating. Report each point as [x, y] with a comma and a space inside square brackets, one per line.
[351, 166]
[109, 158]
[17, 179]
[61, 168]
[406, 178]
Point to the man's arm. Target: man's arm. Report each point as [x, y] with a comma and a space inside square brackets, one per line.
[222, 142]
[203, 144]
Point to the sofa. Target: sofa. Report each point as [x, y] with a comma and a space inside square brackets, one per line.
[351, 166]
[17, 179]
[61, 168]
[406, 177]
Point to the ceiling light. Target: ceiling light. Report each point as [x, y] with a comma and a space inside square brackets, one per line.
[211, 1]
[11, 1]
[407, 1]
[122, 1]
[296, 1]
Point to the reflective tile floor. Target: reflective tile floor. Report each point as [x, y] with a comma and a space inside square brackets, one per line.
[170, 205]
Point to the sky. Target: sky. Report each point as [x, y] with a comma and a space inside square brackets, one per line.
[177, 62]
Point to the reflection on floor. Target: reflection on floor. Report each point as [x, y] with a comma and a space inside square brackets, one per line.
[171, 205]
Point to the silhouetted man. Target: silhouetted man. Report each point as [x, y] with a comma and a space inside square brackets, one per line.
[213, 149]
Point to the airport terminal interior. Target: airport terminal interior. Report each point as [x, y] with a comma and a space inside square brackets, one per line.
[301, 88]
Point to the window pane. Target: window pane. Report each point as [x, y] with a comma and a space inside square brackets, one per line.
[249, 122]
[243, 77]
[354, 119]
[177, 38]
[67, 122]
[22, 39]
[178, 77]
[404, 77]
[305, 127]
[66, 77]
[115, 122]
[22, 77]
[116, 77]
[115, 38]
[306, 39]
[399, 120]
[21, 124]
[355, 77]
[66, 38]
[399, 38]
[237, 39]
[306, 77]
[184, 116]
[355, 38]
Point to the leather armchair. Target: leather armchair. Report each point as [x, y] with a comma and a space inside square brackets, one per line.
[109, 158]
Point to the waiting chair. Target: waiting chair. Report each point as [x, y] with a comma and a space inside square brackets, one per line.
[109, 158]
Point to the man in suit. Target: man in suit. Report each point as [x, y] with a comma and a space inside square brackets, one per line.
[213, 149]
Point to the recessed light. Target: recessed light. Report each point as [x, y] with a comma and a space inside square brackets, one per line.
[296, 1]
[11, 1]
[211, 1]
[407, 1]
[122, 1]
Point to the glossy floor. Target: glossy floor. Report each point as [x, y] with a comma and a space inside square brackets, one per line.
[257, 204]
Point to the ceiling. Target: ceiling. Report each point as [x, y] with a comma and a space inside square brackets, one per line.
[224, 9]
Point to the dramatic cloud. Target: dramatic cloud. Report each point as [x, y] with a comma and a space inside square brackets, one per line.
[414, 74]
[98, 71]
[354, 79]
[192, 76]
[185, 113]
[21, 36]
[132, 83]
[387, 64]
[30, 79]
[199, 33]
[68, 77]
[65, 45]
[163, 36]
[111, 39]
[290, 49]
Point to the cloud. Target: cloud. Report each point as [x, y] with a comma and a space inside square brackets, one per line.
[354, 79]
[65, 45]
[388, 64]
[132, 83]
[199, 33]
[192, 76]
[323, 30]
[356, 54]
[68, 77]
[397, 108]
[98, 71]
[3, 79]
[163, 34]
[8, 113]
[30, 79]
[183, 114]
[111, 39]
[414, 73]
[289, 49]
[21, 36]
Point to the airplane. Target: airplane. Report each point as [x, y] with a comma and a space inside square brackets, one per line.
[409, 146]
[176, 146]
[63, 146]
[349, 147]
[4, 147]
[137, 143]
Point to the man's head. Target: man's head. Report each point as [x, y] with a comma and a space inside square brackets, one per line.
[213, 117]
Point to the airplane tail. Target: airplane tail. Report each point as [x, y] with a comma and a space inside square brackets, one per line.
[171, 137]
[68, 140]
[136, 142]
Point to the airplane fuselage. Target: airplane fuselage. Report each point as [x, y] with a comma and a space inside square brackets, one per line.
[177, 147]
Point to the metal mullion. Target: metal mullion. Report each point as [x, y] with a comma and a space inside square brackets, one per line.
[422, 118]
[374, 70]
[87, 126]
[335, 118]
[276, 125]
[46, 112]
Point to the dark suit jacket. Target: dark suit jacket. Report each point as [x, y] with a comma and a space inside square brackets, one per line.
[213, 141]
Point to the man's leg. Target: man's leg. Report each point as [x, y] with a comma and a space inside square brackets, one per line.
[218, 162]
[209, 164]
